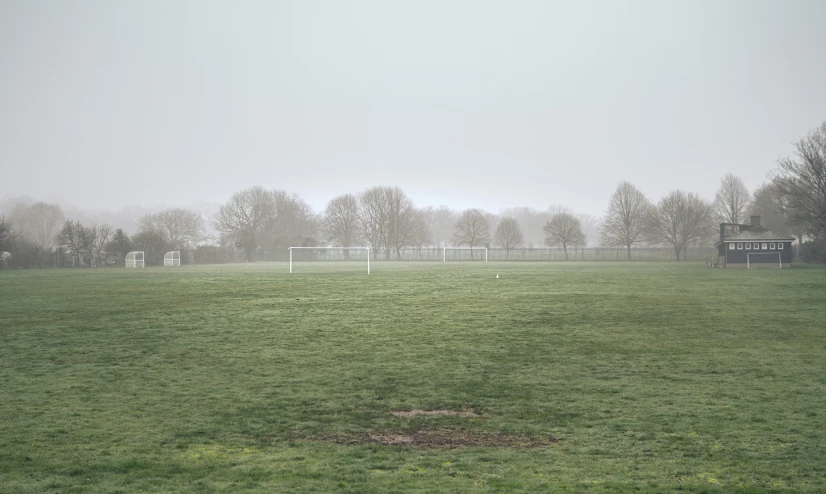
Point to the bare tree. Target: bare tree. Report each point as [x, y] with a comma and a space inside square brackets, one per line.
[386, 215]
[800, 182]
[508, 235]
[244, 218]
[472, 229]
[420, 234]
[564, 229]
[373, 218]
[733, 200]
[679, 219]
[766, 204]
[181, 228]
[531, 221]
[102, 235]
[624, 224]
[46, 220]
[442, 224]
[293, 222]
[341, 221]
[402, 216]
[78, 239]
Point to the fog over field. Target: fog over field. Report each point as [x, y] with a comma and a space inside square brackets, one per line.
[140, 106]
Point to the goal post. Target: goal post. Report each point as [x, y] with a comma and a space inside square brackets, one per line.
[755, 258]
[465, 249]
[135, 259]
[172, 258]
[346, 257]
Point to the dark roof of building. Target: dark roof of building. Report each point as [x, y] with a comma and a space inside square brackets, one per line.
[755, 233]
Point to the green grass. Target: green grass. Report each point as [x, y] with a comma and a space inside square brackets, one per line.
[648, 377]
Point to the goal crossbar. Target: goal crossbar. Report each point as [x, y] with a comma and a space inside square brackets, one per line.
[445, 249]
[367, 249]
[779, 258]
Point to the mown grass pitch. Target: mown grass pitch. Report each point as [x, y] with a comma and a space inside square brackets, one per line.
[605, 377]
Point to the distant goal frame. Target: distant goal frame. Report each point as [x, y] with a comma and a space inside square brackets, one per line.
[172, 258]
[779, 258]
[132, 260]
[366, 249]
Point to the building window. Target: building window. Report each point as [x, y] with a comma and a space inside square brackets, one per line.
[771, 246]
[780, 246]
[765, 246]
[730, 246]
[739, 246]
[748, 246]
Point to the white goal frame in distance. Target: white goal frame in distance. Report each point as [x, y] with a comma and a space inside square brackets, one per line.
[331, 248]
[132, 260]
[172, 258]
[444, 251]
[779, 258]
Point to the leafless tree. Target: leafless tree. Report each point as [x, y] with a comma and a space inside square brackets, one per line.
[293, 222]
[508, 235]
[800, 182]
[531, 221]
[624, 224]
[766, 204]
[442, 224]
[401, 214]
[420, 235]
[245, 217]
[472, 229]
[733, 200]
[341, 221]
[564, 229]
[181, 228]
[373, 218]
[78, 239]
[386, 215]
[46, 220]
[101, 236]
[679, 219]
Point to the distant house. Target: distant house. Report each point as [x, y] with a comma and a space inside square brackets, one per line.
[752, 246]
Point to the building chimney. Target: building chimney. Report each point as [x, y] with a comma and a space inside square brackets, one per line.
[755, 221]
[722, 231]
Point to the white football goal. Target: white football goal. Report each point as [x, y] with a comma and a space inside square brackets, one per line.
[316, 254]
[134, 259]
[172, 258]
[464, 254]
[754, 259]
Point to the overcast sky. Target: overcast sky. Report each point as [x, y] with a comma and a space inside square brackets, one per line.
[107, 104]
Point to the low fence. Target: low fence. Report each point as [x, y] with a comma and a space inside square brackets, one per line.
[579, 254]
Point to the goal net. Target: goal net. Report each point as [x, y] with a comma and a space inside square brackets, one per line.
[134, 259]
[465, 254]
[763, 260]
[172, 258]
[344, 257]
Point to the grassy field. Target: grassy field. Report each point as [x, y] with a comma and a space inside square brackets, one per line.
[637, 377]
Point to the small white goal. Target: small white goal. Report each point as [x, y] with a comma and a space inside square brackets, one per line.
[172, 258]
[349, 254]
[134, 259]
[753, 259]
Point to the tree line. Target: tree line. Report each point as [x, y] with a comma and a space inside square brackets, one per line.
[385, 219]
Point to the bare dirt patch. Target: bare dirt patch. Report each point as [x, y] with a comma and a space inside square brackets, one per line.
[445, 438]
[448, 413]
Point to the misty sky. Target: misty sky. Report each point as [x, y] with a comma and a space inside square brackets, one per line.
[106, 104]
